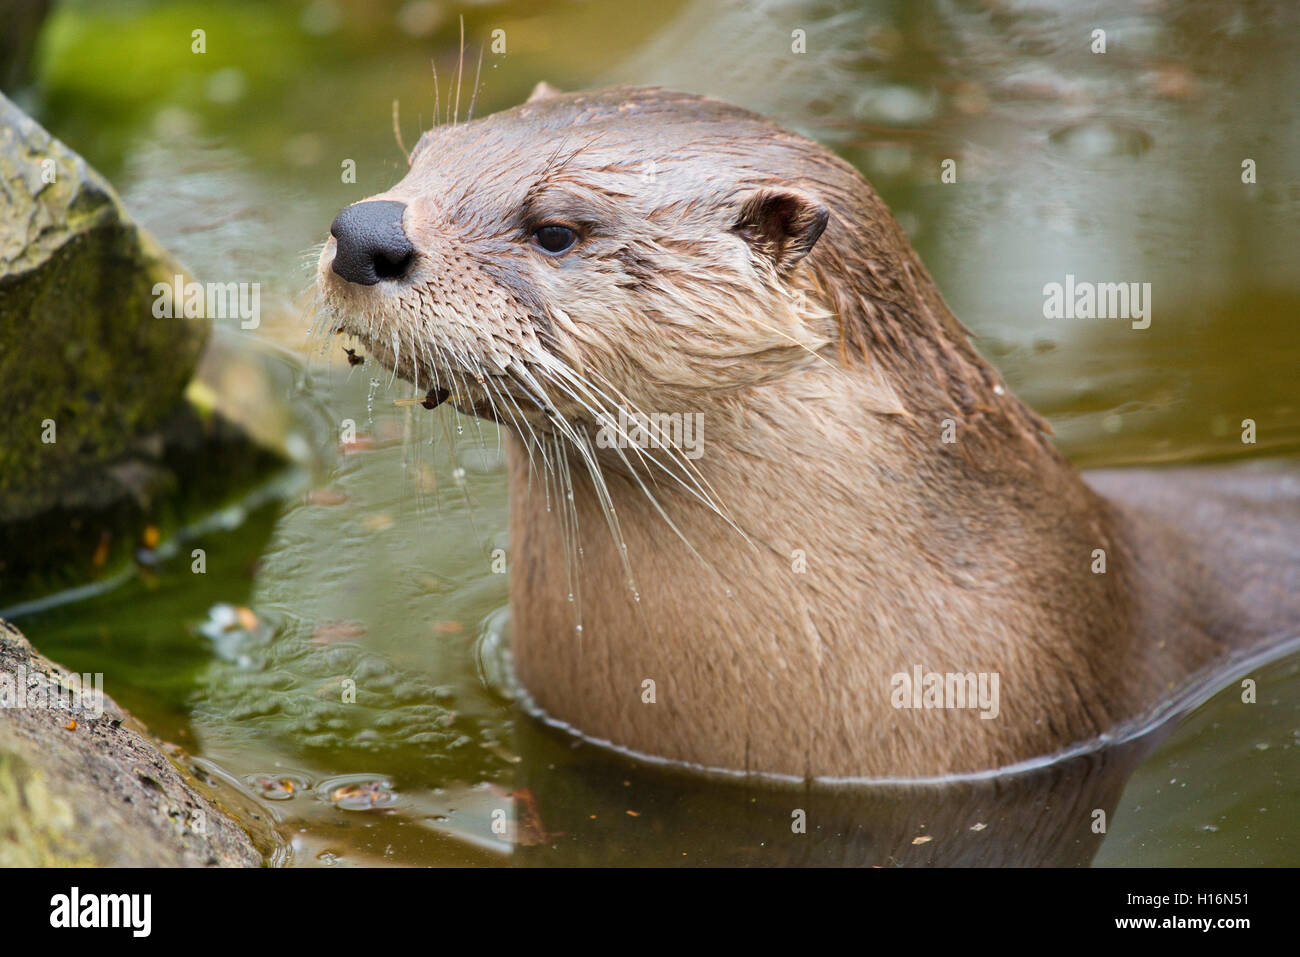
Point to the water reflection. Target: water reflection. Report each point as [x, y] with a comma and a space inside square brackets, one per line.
[577, 804]
[595, 812]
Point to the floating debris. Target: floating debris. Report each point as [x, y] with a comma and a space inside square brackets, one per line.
[333, 632]
[359, 793]
[224, 618]
[282, 787]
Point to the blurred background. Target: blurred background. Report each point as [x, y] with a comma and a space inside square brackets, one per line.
[372, 558]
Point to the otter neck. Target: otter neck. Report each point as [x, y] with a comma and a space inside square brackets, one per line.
[869, 546]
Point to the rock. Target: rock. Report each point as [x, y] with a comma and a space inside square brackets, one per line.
[78, 789]
[85, 361]
[87, 364]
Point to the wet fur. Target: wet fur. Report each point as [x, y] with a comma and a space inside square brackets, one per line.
[826, 367]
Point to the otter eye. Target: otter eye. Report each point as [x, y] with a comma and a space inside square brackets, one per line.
[554, 239]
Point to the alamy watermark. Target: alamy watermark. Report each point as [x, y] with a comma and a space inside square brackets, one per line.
[653, 430]
[922, 689]
[1098, 300]
[179, 299]
[77, 693]
[133, 912]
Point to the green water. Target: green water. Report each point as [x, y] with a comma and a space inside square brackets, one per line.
[377, 566]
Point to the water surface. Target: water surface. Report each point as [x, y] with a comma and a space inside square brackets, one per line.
[376, 563]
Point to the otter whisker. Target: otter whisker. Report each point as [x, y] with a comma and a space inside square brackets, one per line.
[635, 474]
[582, 443]
[531, 439]
[474, 97]
[415, 361]
[465, 361]
[460, 70]
[397, 132]
[397, 355]
[599, 413]
[437, 106]
[572, 550]
[689, 470]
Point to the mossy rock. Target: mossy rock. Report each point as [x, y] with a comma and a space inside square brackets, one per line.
[87, 786]
[84, 359]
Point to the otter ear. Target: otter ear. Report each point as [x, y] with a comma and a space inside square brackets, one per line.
[542, 91]
[781, 225]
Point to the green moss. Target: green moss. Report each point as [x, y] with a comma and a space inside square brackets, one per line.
[99, 366]
[37, 826]
[83, 349]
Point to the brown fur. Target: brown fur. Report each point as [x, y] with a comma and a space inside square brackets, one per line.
[753, 276]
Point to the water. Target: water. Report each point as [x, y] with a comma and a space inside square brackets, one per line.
[376, 565]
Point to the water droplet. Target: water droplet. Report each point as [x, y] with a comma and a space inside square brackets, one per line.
[370, 401]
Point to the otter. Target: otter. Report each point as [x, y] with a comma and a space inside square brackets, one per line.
[870, 508]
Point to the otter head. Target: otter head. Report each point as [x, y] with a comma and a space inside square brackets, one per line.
[578, 252]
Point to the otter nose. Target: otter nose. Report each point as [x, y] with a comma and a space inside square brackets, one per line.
[370, 242]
